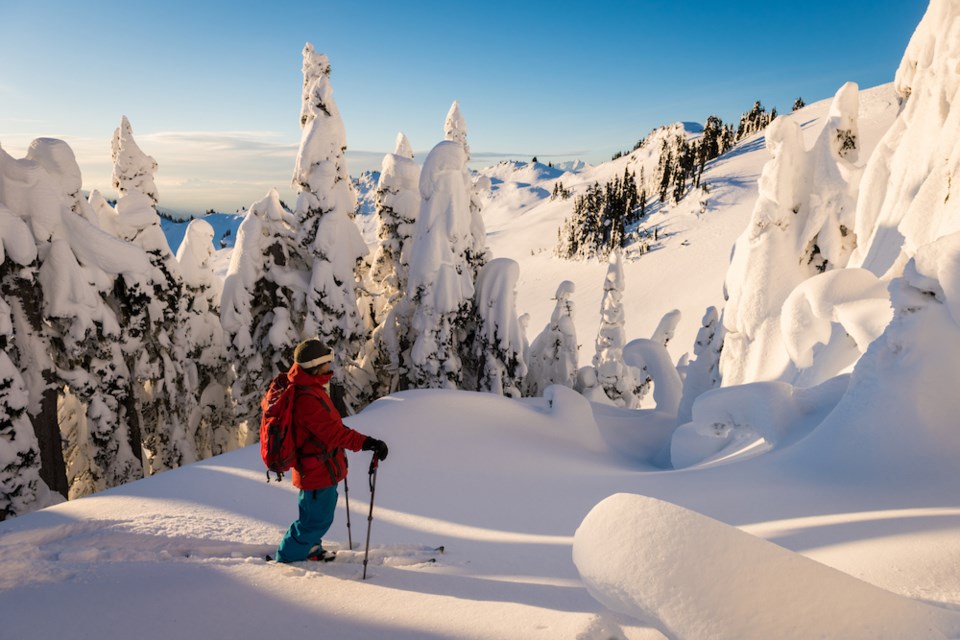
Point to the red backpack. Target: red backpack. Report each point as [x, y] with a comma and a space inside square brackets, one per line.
[277, 446]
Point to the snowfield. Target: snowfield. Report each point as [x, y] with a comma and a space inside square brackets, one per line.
[505, 486]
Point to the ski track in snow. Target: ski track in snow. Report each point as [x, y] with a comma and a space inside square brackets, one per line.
[62, 552]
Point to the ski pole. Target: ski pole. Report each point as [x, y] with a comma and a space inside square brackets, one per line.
[373, 489]
[346, 493]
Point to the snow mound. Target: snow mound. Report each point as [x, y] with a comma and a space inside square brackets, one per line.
[695, 577]
[828, 321]
[733, 423]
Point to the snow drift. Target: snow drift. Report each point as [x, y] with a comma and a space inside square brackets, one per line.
[694, 577]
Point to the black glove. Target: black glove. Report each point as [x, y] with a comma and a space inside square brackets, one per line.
[379, 447]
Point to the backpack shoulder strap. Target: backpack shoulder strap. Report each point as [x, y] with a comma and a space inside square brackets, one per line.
[311, 392]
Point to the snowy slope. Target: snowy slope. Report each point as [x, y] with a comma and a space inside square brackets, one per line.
[686, 269]
[504, 485]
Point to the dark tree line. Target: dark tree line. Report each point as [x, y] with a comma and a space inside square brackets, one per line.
[601, 217]
[754, 120]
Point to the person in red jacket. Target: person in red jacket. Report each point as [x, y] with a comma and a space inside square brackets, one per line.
[320, 437]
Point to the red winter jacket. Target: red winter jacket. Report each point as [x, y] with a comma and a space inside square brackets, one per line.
[319, 433]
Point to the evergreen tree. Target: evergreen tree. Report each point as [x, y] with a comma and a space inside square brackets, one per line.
[754, 120]
[619, 380]
[327, 233]
[560, 191]
[24, 232]
[665, 171]
[600, 219]
[800, 226]
[266, 279]
[20, 480]
[799, 104]
[151, 310]
[212, 424]
[20, 462]
[92, 376]
[499, 342]
[711, 142]
[78, 275]
[455, 130]
[703, 372]
[398, 204]
[441, 283]
[554, 354]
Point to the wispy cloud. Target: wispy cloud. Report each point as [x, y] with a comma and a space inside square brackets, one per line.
[244, 142]
[500, 155]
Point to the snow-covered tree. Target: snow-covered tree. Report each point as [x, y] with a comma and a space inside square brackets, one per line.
[325, 204]
[20, 459]
[801, 225]
[703, 372]
[19, 449]
[619, 380]
[92, 374]
[554, 353]
[87, 383]
[398, 204]
[600, 219]
[211, 423]
[29, 222]
[455, 130]
[910, 181]
[151, 312]
[828, 233]
[78, 275]
[441, 284]
[499, 343]
[754, 120]
[666, 328]
[266, 282]
[455, 127]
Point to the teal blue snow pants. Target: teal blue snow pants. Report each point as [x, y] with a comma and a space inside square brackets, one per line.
[317, 508]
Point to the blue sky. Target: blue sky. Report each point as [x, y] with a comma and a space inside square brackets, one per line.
[212, 89]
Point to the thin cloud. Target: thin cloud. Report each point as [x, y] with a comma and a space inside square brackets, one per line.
[494, 155]
[189, 143]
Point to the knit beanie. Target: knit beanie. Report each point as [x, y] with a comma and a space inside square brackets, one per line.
[312, 353]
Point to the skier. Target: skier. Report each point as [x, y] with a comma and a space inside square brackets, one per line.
[320, 437]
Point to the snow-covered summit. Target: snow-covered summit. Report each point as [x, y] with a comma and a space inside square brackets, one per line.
[521, 172]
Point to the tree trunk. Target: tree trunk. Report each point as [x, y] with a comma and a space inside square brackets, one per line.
[133, 427]
[53, 470]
